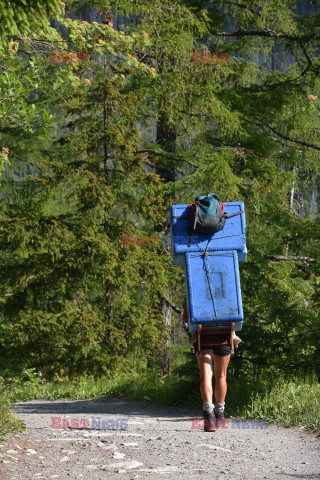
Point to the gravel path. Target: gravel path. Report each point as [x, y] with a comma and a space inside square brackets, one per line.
[138, 440]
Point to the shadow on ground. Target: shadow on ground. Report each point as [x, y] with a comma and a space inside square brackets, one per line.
[104, 406]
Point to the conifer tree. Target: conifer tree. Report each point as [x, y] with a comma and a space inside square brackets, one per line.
[82, 277]
[246, 130]
[21, 17]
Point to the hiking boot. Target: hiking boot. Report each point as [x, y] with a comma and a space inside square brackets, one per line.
[209, 421]
[221, 422]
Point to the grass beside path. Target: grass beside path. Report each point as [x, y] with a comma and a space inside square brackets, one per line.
[9, 422]
[286, 402]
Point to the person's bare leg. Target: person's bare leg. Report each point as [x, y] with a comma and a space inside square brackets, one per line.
[206, 374]
[220, 389]
[205, 366]
[220, 375]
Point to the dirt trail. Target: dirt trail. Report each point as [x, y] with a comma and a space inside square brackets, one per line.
[138, 440]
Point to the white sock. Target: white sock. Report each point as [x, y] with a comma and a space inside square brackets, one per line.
[208, 407]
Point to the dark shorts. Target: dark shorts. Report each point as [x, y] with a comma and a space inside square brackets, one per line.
[221, 350]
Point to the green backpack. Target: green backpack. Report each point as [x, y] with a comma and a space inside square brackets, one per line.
[206, 215]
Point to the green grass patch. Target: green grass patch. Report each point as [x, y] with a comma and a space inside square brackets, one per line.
[288, 403]
[9, 422]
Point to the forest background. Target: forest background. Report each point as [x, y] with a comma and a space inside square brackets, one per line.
[111, 112]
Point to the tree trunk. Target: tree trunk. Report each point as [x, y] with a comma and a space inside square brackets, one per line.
[166, 309]
[291, 200]
[313, 199]
[166, 139]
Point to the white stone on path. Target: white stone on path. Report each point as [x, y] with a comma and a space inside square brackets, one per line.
[118, 455]
[213, 447]
[126, 465]
[11, 451]
[64, 459]
[10, 456]
[32, 452]
[109, 447]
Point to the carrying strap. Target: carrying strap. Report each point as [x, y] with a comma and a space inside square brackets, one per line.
[206, 261]
[233, 214]
[197, 215]
[225, 215]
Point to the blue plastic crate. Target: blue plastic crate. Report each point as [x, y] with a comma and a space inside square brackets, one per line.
[231, 237]
[213, 289]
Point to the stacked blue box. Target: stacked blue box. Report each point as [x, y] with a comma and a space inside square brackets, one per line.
[213, 289]
[231, 237]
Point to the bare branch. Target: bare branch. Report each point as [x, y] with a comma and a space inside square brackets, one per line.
[239, 150]
[155, 28]
[267, 34]
[284, 258]
[241, 5]
[304, 333]
[195, 114]
[165, 155]
[57, 93]
[173, 306]
[281, 135]
[6, 69]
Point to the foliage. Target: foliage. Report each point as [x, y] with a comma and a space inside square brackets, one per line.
[9, 422]
[22, 16]
[105, 128]
[77, 299]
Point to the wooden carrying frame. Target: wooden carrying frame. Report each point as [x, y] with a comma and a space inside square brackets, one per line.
[213, 336]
